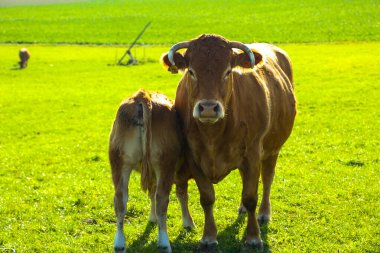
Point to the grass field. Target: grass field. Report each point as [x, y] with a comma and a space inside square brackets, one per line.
[55, 116]
[119, 21]
[56, 189]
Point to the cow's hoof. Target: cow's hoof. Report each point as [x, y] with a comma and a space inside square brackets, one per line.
[263, 219]
[208, 246]
[164, 249]
[119, 249]
[242, 209]
[255, 244]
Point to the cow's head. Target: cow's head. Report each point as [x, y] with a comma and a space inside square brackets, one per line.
[207, 65]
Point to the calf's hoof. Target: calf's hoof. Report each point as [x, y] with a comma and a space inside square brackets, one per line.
[119, 249]
[263, 219]
[189, 226]
[255, 244]
[208, 246]
[164, 249]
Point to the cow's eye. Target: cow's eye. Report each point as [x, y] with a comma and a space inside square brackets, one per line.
[191, 72]
[227, 74]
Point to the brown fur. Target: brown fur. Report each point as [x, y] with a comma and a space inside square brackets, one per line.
[24, 58]
[259, 107]
[146, 137]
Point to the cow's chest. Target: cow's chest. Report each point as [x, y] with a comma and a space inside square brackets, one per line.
[217, 158]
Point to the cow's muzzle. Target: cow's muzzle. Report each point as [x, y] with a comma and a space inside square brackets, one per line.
[208, 111]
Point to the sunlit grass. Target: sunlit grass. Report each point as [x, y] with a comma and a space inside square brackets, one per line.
[56, 191]
[120, 21]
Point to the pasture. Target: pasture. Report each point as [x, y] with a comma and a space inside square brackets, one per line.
[56, 193]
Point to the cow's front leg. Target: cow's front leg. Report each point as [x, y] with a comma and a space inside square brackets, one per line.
[207, 198]
[250, 176]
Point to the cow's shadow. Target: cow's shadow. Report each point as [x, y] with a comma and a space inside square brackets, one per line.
[229, 240]
[140, 244]
[179, 244]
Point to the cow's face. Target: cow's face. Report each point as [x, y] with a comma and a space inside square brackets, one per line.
[208, 64]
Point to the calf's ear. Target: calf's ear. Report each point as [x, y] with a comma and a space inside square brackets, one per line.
[242, 60]
[180, 62]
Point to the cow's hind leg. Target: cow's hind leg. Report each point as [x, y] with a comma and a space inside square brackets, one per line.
[250, 175]
[120, 201]
[183, 198]
[152, 196]
[164, 184]
[267, 174]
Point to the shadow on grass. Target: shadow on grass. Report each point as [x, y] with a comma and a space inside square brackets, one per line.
[229, 240]
[140, 244]
[182, 244]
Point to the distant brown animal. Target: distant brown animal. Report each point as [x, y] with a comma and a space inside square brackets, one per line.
[237, 106]
[24, 58]
[146, 137]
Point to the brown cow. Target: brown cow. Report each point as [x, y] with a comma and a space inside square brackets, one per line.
[24, 57]
[146, 137]
[233, 117]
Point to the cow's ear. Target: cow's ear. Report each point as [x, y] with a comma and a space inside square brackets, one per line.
[180, 62]
[242, 60]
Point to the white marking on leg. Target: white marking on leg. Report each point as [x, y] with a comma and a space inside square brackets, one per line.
[119, 242]
[163, 240]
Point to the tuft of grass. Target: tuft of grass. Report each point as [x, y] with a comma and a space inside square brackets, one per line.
[120, 21]
[56, 190]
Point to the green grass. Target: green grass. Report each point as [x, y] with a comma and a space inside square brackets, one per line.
[55, 186]
[56, 191]
[119, 21]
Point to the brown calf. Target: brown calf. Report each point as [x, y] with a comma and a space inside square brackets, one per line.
[146, 137]
[237, 105]
[24, 57]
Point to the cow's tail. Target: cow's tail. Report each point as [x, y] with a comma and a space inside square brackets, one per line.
[147, 173]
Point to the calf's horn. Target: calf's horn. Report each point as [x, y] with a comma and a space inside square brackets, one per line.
[175, 48]
[246, 49]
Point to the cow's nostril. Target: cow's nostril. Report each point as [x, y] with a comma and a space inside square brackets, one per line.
[216, 108]
[200, 108]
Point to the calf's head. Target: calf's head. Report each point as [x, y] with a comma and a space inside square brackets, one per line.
[208, 65]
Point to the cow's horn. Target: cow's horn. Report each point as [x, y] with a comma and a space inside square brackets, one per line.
[246, 49]
[175, 48]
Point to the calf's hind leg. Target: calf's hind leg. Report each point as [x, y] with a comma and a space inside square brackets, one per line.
[183, 198]
[164, 184]
[121, 180]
